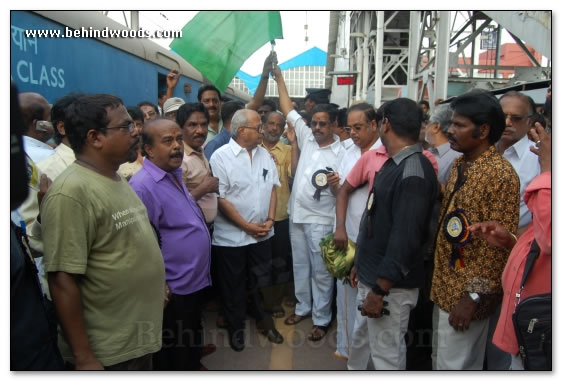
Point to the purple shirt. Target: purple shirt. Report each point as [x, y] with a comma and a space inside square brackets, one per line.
[186, 245]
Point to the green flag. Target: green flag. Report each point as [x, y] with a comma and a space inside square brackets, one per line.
[218, 43]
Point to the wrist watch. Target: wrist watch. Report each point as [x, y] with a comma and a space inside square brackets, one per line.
[378, 290]
[475, 297]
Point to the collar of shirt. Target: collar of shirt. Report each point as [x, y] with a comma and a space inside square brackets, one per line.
[158, 174]
[407, 151]
[277, 147]
[441, 150]
[237, 149]
[335, 146]
[188, 150]
[209, 129]
[520, 147]
[64, 150]
[35, 142]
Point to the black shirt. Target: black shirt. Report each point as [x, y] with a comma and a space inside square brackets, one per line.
[394, 229]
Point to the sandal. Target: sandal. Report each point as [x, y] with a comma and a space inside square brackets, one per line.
[294, 319]
[315, 335]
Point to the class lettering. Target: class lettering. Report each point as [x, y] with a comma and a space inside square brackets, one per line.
[42, 75]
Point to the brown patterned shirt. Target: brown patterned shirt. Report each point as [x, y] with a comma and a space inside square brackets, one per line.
[491, 192]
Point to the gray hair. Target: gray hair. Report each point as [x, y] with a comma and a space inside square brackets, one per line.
[240, 118]
[442, 114]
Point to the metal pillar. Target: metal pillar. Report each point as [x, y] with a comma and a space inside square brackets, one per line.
[442, 57]
[414, 42]
[135, 20]
[379, 58]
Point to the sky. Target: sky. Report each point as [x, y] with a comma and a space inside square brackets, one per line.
[293, 25]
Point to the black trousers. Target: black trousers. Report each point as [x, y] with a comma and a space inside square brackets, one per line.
[282, 263]
[182, 333]
[240, 269]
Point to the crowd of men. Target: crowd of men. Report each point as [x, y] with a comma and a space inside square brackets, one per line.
[142, 214]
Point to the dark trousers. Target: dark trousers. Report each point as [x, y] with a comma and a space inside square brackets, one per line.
[241, 269]
[282, 263]
[182, 334]
[143, 363]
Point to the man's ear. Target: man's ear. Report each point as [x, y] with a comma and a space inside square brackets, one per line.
[61, 128]
[95, 138]
[484, 131]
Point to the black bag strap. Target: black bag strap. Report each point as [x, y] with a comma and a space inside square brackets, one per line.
[530, 260]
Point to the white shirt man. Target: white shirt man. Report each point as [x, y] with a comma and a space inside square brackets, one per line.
[527, 167]
[312, 218]
[36, 149]
[247, 203]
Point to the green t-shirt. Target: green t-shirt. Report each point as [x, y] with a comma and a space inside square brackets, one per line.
[98, 228]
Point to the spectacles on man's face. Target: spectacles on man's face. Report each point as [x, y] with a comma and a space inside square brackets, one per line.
[320, 123]
[129, 127]
[258, 128]
[516, 118]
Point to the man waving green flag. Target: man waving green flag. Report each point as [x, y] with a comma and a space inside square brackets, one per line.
[218, 42]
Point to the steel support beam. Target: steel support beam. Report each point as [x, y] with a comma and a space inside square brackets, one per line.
[378, 85]
[442, 57]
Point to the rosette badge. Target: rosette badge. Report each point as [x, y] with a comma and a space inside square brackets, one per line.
[320, 182]
[456, 230]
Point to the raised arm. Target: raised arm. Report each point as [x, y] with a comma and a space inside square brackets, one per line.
[285, 102]
[171, 82]
[258, 98]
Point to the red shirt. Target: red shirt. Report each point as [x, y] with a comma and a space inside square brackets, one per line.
[371, 162]
[538, 198]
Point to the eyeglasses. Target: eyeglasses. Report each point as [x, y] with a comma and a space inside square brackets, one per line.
[258, 128]
[320, 123]
[130, 127]
[515, 118]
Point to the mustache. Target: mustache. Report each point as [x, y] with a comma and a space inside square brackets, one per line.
[451, 137]
[177, 154]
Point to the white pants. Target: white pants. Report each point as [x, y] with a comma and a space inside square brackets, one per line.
[346, 308]
[314, 286]
[516, 362]
[385, 335]
[453, 350]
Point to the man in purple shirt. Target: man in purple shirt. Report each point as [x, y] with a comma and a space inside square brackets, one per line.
[184, 241]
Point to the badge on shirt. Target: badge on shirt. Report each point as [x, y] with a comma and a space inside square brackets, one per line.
[320, 182]
[456, 230]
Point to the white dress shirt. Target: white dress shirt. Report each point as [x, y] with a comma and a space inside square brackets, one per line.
[347, 143]
[527, 166]
[303, 208]
[36, 149]
[55, 164]
[445, 157]
[247, 186]
[358, 198]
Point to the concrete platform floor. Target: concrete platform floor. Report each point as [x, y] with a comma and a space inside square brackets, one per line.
[295, 353]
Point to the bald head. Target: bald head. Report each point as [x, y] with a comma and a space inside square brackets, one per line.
[34, 108]
[163, 144]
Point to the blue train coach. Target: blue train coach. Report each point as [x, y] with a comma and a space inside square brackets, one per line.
[134, 69]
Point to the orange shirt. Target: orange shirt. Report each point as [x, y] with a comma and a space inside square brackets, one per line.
[538, 198]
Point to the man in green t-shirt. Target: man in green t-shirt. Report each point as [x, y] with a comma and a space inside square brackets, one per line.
[105, 269]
